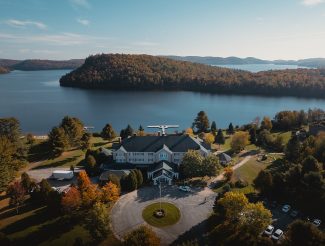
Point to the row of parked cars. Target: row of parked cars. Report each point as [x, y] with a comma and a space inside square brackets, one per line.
[278, 233]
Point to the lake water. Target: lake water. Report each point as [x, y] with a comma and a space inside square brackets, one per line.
[37, 100]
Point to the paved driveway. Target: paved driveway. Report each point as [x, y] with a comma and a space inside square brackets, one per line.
[195, 207]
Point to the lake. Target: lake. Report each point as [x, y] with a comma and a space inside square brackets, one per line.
[37, 100]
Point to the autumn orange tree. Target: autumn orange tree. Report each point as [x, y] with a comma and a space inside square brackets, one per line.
[110, 193]
[83, 180]
[228, 173]
[71, 201]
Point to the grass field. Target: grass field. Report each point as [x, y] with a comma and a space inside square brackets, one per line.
[172, 214]
[73, 157]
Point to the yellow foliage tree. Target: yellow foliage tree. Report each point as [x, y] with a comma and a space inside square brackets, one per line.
[254, 218]
[233, 204]
[90, 196]
[266, 123]
[110, 193]
[209, 138]
[189, 131]
[239, 140]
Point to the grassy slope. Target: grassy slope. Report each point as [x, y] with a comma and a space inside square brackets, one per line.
[33, 224]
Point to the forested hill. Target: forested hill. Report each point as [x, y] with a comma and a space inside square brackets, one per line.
[144, 72]
[35, 64]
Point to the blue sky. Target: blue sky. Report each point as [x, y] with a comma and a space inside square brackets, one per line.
[64, 29]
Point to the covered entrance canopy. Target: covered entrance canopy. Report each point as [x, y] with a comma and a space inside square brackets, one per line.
[163, 172]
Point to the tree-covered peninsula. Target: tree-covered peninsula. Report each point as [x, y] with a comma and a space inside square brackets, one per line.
[145, 72]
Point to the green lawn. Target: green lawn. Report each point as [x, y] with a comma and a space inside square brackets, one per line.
[285, 135]
[73, 157]
[172, 214]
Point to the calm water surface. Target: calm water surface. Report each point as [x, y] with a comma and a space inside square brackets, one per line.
[37, 100]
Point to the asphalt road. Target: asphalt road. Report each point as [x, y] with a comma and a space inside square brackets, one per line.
[195, 207]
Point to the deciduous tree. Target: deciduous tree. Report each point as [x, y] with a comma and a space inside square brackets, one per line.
[71, 201]
[16, 193]
[97, 222]
[142, 236]
[110, 193]
[239, 140]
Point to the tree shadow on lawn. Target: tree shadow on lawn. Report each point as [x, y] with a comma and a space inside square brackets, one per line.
[11, 211]
[198, 233]
[150, 193]
[37, 218]
[58, 163]
[47, 232]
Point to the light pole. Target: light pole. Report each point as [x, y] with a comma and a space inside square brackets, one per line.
[160, 194]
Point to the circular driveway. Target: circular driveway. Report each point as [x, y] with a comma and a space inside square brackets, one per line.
[195, 207]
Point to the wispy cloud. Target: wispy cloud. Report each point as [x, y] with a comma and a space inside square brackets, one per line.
[24, 23]
[80, 3]
[62, 39]
[36, 51]
[84, 22]
[312, 2]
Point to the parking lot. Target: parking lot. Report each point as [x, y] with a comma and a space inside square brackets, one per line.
[280, 219]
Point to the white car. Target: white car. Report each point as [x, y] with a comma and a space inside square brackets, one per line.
[317, 222]
[184, 188]
[269, 230]
[286, 208]
[277, 234]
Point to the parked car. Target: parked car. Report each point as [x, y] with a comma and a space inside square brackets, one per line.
[269, 230]
[277, 234]
[286, 208]
[317, 222]
[294, 213]
[184, 188]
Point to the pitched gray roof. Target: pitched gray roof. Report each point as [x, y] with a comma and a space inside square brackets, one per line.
[176, 143]
[163, 165]
[224, 157]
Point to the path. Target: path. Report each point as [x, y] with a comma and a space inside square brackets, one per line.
[238, 165]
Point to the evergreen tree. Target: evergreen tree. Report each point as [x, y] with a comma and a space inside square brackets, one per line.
[231, 129]
[90, 165]
[108, 132]
[252, 135]
[127, 132]
[214, 128]
[74, 130]
[201, 122]
[220, 139]
[141, 128]
[139, 176]
[58, 141]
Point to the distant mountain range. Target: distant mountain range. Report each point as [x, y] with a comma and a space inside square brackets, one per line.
[210, 60]
[36, 64]
[32, 65]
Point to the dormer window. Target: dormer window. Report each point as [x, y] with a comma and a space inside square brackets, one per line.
[163, 156]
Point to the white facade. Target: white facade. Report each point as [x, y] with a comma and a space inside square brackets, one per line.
[164, 154]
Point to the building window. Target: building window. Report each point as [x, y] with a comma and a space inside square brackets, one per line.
[163, 156]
